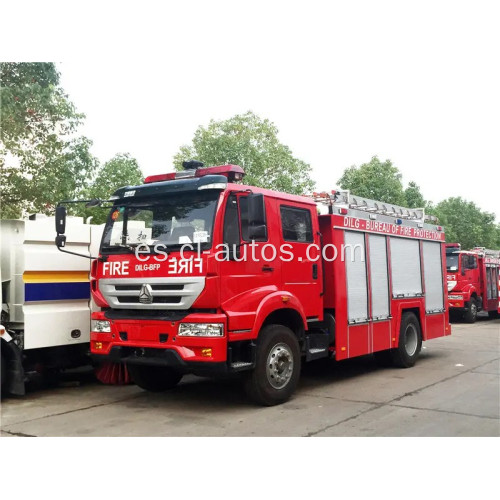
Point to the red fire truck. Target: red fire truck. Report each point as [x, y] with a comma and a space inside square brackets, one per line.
[473, 281]
[200, 274]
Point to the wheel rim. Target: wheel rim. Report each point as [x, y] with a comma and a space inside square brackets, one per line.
[279, 366]
[411, 340]
[473, 309]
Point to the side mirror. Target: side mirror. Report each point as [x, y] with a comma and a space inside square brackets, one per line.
[96, 202]
[257, 233]
[257, 228]
[60, 219]
[60, 241]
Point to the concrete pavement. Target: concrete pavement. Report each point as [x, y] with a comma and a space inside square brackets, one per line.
[453, 390]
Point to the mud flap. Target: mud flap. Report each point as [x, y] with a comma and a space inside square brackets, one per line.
[15, 370]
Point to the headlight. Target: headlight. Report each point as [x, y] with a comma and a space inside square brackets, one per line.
[455, 297]
[201, 330]
[100, 325]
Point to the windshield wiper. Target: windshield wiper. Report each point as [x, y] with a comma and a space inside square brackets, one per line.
[121, 245]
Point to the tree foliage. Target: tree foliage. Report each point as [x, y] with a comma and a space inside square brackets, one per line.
[464, 222]
[252, 143]
[41, 159]
[413, 196]
[34, 106]
[121, 170]
[381, 181]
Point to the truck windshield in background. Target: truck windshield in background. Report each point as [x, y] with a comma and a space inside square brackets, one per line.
[169, 220]
[452, 261]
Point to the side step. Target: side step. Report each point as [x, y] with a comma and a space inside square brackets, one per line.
[239, 366]
[317, 346]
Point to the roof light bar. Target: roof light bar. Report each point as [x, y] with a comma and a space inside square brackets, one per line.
[160, 178]
[233, 173]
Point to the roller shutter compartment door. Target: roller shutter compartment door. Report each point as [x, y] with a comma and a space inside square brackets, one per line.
[405, 268]
[355, 265]
[379, 278]
[433, 277]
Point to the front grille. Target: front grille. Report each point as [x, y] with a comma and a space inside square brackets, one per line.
[154, 314]
[129, 299]
[137, 288]
[166, 293]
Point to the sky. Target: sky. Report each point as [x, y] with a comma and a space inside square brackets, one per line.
[414, 82]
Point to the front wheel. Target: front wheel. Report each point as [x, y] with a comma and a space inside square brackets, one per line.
[410, 342]
[154, 378]
[277, 368]
[470, 314]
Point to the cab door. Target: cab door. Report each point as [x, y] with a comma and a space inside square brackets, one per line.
[245, 277]
[302, 270]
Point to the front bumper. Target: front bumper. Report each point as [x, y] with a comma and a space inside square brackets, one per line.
[156, 342]
[456, 301]
[162, 357]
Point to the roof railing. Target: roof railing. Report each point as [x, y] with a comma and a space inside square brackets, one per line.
[347, 200]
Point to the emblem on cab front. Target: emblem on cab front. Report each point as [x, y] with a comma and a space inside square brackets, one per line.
[146, 294]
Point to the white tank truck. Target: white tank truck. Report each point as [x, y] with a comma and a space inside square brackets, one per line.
[45, 297]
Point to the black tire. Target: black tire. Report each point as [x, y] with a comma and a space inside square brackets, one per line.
[154, 378]
[470, 314]
[277, 368]
[455, 315]
[3, 373]
[410, 342]
[493, 314]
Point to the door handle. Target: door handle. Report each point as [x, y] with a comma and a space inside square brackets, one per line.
[267, 269]
[315, 271]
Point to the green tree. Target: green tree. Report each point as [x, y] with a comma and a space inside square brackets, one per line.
[252, 143]
[465, 223]
[381, 181]
[121, 170]
[375, 180]
[41, 159]
[413, 196]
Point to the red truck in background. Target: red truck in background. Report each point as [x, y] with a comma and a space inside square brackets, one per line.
[291, 285]
[473, 281]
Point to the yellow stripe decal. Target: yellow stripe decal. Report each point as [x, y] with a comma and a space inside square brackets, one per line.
[55, 276]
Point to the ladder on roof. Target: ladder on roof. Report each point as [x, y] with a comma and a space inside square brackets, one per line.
[345, 199]
[487, 252]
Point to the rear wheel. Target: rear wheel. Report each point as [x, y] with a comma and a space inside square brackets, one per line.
[470, 314]
[277, 368]
[154, 378]
[410, 342]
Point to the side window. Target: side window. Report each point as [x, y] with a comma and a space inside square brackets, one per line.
[472, 262]
[296, 224]
[465, 262]
[243, 206]
[236, 216]
[231, 223]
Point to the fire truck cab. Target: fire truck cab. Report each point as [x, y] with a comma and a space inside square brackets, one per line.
[198, 273]
[473, 281]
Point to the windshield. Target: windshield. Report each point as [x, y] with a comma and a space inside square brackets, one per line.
[171, 221]
[452, 262]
